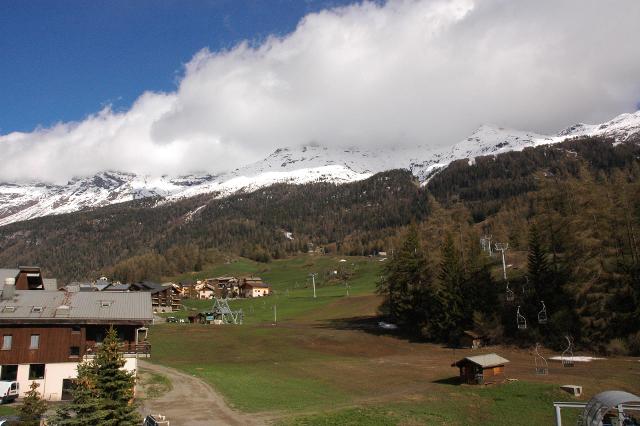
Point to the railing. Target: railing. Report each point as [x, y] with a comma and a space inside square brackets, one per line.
[139, 349]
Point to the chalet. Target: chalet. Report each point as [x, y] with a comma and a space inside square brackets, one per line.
[225, 287]
[45, 333]
[164, 297]
[187, 290]
[481, 369]
[254, 287]
[206, 291]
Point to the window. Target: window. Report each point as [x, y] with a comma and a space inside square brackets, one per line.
[9, 372]
[74, 351]
[6, 342]
[75, 329]
[9, 309]
[36, 371]
[106, 303]
[37, 309]
[35, 341]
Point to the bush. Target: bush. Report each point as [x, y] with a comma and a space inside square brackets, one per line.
[617, 347]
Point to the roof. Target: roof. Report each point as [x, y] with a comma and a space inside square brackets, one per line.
[50, 283]
[600, 403]
[78, 307]
[484, 361]
[472, 334]
[7, 273]
[257, 284]
[117, 287]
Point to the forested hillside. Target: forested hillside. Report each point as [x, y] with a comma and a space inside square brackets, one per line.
[570, 213]
[140, 240]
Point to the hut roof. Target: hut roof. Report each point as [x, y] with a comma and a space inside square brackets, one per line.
[484, 361]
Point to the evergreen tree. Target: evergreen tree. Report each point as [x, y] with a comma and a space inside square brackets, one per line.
[103, 391]
[537, 263]
[33, 407]
[448, 319]
[406, 283]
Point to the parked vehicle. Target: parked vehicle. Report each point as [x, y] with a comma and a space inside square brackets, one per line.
[9, 390]
[172, 319]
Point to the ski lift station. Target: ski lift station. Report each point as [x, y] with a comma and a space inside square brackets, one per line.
[610, 408]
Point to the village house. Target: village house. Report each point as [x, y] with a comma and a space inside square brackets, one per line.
[188, 290]
[206, 291]
[254, 287]
[225, 287]
[481, 369]
[164, 297]
[45, 333]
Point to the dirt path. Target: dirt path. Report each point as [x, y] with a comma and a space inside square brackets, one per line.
[192, 402]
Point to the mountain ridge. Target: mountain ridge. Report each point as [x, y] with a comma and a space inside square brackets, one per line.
[297, 165]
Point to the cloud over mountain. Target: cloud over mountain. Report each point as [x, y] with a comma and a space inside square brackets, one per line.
[370, 74]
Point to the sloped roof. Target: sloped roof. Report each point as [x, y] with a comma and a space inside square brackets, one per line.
[485, 361]
[7, 273]
[50, 283]
[76, 306]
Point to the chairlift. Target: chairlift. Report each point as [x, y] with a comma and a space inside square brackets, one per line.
[542, 367]
[567, 354]
[522, 321]
[510, 294]
[542, 315]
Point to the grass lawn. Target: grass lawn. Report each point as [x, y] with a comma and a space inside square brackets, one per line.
[326, 362]
[8, 409]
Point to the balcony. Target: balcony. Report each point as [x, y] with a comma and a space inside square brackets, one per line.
[128, 350]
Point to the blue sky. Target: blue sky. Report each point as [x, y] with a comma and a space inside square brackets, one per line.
[62, 60]
[369, 75]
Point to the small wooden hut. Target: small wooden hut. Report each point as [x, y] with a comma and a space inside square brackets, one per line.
[481, 369]
[471, 339]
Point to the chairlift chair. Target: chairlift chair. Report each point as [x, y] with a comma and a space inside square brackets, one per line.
[522, 321]
[510, 296]
[542, 315]
[567, 354]
[542, 367]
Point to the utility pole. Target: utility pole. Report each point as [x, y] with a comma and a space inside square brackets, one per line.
[502, 247]
[313, 280]
[275, 314]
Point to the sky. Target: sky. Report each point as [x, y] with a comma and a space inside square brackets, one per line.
[179, 86]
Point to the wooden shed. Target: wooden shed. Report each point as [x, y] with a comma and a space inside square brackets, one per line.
[481, 369]
[471, 339]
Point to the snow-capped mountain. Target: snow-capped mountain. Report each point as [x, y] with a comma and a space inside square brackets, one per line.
[298, 165]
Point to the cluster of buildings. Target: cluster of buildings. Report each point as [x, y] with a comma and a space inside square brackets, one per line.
[47, 330]
[224, 288]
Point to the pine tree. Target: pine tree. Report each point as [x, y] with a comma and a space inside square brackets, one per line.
[33, 407]
[448, 320]
[537, 264]
[103, 391]
[406, 283]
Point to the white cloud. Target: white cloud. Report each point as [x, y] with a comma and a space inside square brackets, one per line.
[371, 74]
